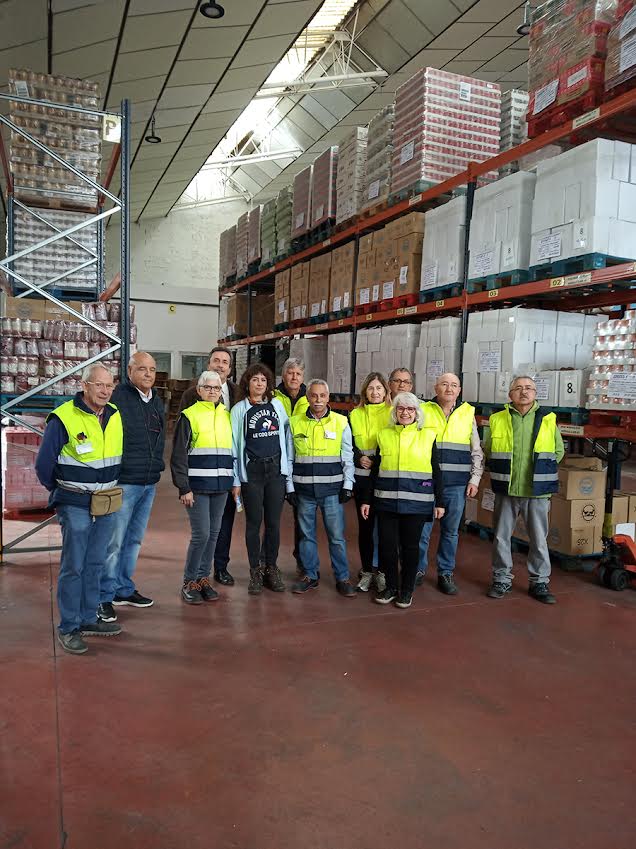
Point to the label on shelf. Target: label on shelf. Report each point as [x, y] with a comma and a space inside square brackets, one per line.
[410, 310]
[374, 189]
[571, 430]
[484, 263]
[429, 276]
[415, 199]
[300, 220]
[628, 54]
[489, 361]
[281, 307]
[549, 246]
[387, 290]
[435, 368]
[622, 384]
[326, 243]
[111, 128]
[578, 279]
[545, 96]
[465, 90]
[407, 152]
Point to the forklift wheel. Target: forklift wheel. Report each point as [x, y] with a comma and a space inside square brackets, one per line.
[602, 575]
[619, 579]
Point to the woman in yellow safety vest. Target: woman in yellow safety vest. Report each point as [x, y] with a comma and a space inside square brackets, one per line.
[202, 471]
[404, 483]
[372, 415]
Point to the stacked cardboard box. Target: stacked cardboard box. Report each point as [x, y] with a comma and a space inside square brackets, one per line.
[222, 331]
[319, 279]
[231, 251]
[577, 511]
[269, 232]
[299, 294]
[501, 226]
[284, 214]
[312, 350]
[242, 238]
[612, 378]
[301, 210]
[443, 248]
[384, 349]
[237, 307]
[438, 352]
[514, 127]
[254, 235]
[262, 313]
[342, 274]
[379, 157]
[282, 309]
[352, 169]
[621, 47]
[323, 187]
[585, 202]
[339, 347]
[442, 122]
[223, 257]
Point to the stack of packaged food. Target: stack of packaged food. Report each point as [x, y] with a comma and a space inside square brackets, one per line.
[612, 380]
[352, 169]
[379, 156]
[324, 187]
[284, 213]
[620, 67]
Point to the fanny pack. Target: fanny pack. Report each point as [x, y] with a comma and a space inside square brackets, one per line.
[107, 501]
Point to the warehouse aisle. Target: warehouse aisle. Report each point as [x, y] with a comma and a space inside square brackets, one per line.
[318, 722]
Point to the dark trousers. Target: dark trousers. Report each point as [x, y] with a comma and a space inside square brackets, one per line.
[224, 541]
[297, 538]
[365, 536]
[400, 537]
[263, 496]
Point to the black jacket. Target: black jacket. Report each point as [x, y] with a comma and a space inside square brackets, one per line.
[144, 435]
[190, 396]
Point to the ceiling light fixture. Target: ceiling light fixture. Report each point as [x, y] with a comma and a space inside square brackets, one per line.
[211, 10]
[524, 28]
[152, 137]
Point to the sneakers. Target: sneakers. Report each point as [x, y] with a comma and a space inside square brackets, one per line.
[446, 584]
[134, 600]
[224, 577]
[306, 583]
[72, 643]
[106, 612]
[540, 592]
[404, 600]
[100, 629]
[498, 590]
[208, 593]
[380, 582]
[273, 580]
[346, 589]
[256, 581]
[191, 592]
[419, 579]
[364, 584]
[386, 597]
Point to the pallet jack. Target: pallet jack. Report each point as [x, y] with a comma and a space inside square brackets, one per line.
[617, 567]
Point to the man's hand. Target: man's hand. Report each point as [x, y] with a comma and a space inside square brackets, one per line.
[471, 490]
[438, 512]
[345, 495]
[365, 462]
[187, 499]
[364, 510]
[236, 493]
[292, 498]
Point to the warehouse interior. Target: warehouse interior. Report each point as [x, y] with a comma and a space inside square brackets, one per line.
[430, 186]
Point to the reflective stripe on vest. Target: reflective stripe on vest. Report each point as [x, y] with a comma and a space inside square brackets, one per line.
[366, 422]
[453, 440]
[210, 462]
[545, 476]
[317, 459]
[405, 478]
[96, 469]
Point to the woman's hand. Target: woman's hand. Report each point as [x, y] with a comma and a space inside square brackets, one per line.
[236, 493]
[365, 462]
[364, 510]
[438, 512]
[471, 490]
[187, 499]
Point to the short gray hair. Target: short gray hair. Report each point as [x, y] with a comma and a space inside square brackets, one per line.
[206, 376]
[401, 368]
[521, 377]
[88, 372]
[293, 362]
[317, 381]
[408, 399]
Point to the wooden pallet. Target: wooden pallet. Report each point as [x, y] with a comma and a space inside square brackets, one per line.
[336, 315]
[574, 265]
[282, 326]
[364, 309]
[343, 225]
[42, 201]
[318, 319]
[498, 281]
[370, 211]
[62, 294]
[440, 293]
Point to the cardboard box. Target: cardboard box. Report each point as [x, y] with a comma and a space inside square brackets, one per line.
[575, 541]
[299, 294]
[577, 513]
[319, 280]
[485, 502]
[237, 314]
[26, 308]
[262, 313]
[631, 508]
[620, 509]
[342, 273]
[582, 477]
[282, 283]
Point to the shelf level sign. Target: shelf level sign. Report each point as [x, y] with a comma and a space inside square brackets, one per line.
[622, 384]
[111, 129]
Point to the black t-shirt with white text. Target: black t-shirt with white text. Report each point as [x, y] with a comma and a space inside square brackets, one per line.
[262, 428]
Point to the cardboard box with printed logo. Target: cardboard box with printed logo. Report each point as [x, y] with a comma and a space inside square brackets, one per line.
[581, 477]
[578, 513]
[575, 541]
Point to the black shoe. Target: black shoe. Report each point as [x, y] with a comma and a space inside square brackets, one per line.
[273, 580]
[106, 612]
[446, 584]
[72, 643]
[305, 584]
[345, 589]
[100, 629]
[419, 579]
[208, 593]
[224, 578]
[134, 600]
[498, 590]
[191, 592]
[256, 582]
[404, 600]
[541, 593]
[386, 597]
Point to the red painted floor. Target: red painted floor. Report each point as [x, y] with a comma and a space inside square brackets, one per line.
[287, 722]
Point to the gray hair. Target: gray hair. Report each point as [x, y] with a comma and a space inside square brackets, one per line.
[207, 376]
[401, 368]
[88, 372]
[408, 399]
[317, 381]
[293, 362]
[521, 377]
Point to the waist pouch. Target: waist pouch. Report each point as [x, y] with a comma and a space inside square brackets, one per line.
[107, 501]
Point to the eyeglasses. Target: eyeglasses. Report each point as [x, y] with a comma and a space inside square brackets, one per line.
[100, 386]
[406, 409]
[207, 388]
[402, 381]
[524, 389]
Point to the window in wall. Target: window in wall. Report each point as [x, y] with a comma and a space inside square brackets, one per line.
[192, 365]
[163, 360]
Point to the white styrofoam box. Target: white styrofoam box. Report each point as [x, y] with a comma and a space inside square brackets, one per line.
[471, 353]
[565, 355]
[451, 359]
[398, 336]
[515, 353]
[361, 340]
[487, 382]
[570, 328]
[450, 331]
[470, 385]
[502, 384]
[434, 334]
[544, 355]
[339, 362]
[591, 323]
[364, 365]
[423, 343]
[421, 358]
[547, 383]
[572, 388]
[442, 251]
[583, 355]
[501, 226]
[313, 351]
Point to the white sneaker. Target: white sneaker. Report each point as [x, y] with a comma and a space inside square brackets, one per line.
[380, 582]
[365, 582]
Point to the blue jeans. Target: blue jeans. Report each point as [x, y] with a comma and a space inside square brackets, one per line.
[84, 545]
[453, 501]
[333, 519]
[205, 517]
[128, 533]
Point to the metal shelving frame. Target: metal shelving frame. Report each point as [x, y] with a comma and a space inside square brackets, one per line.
[15, 408]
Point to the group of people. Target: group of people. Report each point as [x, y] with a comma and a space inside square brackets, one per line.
[252, 446]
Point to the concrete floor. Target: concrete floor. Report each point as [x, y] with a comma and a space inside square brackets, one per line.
[289, 722]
